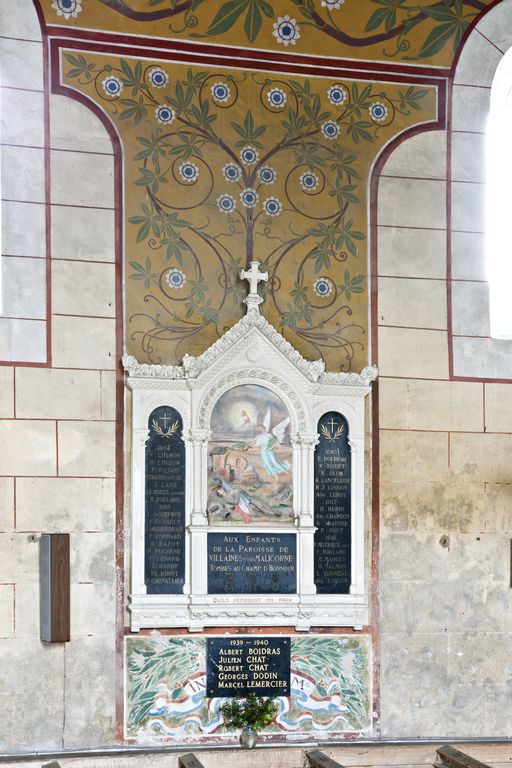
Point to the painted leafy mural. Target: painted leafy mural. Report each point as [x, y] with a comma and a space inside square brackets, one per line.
[166, 689]
[410, 30]
[222, 167]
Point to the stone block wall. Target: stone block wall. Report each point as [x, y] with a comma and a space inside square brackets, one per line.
[445, 439]
[57, 400]
[445, 428]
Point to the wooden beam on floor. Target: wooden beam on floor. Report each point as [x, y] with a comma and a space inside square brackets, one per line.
[189, 760]
[453, 758]
[318, 759]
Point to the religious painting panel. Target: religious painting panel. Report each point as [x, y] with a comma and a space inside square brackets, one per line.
[250, 459]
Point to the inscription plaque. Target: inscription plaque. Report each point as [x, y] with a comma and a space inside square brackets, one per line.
[164, 546]
[237, 666]
[251, 563]
[333, 506]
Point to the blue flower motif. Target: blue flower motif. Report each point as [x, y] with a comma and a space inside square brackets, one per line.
[277, 98]
[220, 92]
[309, 181]
[112, 86]
[165, 114]
[231, 172]
[323, 286]
[189, 172]
[272, 206]
[332, 5]
[226, 203]
[286, 30]
[158, 78]
[67, 8]
[267, 174]
[248, 155]
[378, 111]
[337, 94]
[176, 278]
[330, 129]
[249, 197]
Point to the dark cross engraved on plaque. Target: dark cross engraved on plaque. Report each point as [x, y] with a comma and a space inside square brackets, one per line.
[236, 666]
[333, 518]
[164, 545]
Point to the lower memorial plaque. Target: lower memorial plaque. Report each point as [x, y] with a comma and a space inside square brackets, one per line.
[246, 563]
[236, 666]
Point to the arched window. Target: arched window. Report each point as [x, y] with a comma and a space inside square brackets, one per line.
[499, 201]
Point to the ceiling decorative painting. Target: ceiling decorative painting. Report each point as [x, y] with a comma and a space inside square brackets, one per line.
[222, 166]
[414, 31]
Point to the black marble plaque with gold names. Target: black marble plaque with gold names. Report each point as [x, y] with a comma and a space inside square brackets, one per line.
[333, 518]
[252, 563]
[236, 666]
[164, 545]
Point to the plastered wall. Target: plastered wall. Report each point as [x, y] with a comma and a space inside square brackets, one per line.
[57, 425]
[444, 443]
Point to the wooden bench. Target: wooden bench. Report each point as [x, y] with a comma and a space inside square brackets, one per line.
[446, 757]
[449, 757]
[189, 760]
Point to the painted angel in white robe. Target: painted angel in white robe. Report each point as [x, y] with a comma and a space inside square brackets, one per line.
[268, 441]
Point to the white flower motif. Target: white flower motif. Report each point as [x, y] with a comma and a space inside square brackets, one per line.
[176, 278]
[323, 286]
[226, 203]
[137, 659]
[272, 206]
[330, 129]
[332, 5]
[267, 174]
[189, 172]
[249, 197]
[249, 155]
[220, 92]
[67, 8]
[286, 30]
[158, 77]
[337, 94]
[231, 172]
[309, 181]
[165, 114]
[112, 86]
[378, 111]
[277, 98]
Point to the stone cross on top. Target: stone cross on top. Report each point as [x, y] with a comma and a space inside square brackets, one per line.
[254, 276]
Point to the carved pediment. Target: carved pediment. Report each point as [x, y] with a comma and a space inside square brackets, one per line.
[239, 336]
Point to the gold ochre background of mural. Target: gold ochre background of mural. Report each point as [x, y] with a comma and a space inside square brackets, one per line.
[224, 166]
[422, 32]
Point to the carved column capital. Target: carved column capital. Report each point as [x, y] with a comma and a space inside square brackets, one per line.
[305, 439]
[197, 436]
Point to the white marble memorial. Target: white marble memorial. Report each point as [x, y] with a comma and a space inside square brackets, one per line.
[252, 353]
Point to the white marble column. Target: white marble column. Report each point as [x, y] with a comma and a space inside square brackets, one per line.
[197, 439]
